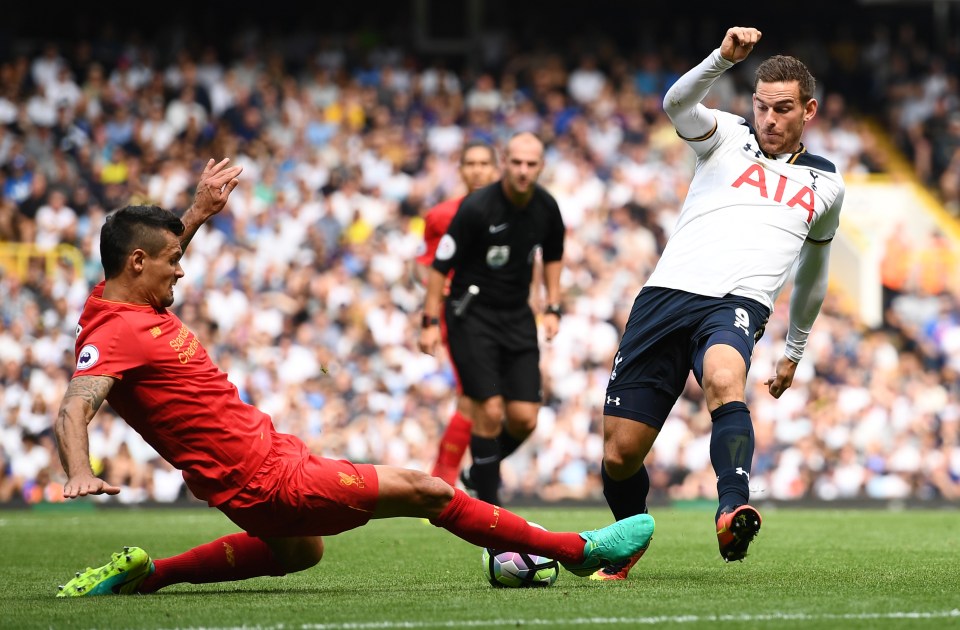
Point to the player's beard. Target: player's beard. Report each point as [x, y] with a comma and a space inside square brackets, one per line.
[777, 142]
[521, 184]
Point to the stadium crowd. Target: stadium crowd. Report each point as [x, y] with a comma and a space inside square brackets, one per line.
[302, 290]
[920, 89]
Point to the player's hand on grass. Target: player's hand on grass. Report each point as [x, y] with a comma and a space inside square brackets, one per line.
[84, 484]
[783, 379]
[738, 42]
[216, 183]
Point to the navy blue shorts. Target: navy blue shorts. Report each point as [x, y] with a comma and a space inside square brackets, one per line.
[667, 335]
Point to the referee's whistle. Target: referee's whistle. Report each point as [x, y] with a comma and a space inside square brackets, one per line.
[464, 302]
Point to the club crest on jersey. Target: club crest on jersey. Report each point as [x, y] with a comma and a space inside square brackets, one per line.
[446, 248]
[88, 357]
[616, 363]
[497, 256]
[350, 480]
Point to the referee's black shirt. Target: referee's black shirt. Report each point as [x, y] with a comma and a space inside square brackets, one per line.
[492, 243]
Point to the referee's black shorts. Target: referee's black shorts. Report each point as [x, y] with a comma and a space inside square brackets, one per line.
[495, 351]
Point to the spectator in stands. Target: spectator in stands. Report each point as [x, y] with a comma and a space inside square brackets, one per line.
[56, 222]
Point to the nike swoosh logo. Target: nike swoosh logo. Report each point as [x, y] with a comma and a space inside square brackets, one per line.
[498, 228]
[492, 459]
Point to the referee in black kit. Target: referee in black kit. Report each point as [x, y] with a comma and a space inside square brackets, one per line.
[490, 247]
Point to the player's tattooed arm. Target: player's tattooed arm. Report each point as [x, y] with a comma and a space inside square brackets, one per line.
[84, 396]
[91, 390]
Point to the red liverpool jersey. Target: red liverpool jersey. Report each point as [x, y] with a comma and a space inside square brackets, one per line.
[436, 222]
[169, 390]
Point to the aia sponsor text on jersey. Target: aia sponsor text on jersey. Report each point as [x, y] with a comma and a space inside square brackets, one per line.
[756, 176]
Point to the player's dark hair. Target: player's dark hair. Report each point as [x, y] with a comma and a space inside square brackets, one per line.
[783, 68]
[131, 228]
[478, 144]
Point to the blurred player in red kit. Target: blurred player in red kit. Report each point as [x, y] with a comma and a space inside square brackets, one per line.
[478, 167]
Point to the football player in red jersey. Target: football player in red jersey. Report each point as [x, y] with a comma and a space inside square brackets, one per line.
[478, 167]
[135, 353]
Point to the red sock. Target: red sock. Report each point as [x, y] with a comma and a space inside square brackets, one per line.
[234, 557]
[487, 525]
[453, 445]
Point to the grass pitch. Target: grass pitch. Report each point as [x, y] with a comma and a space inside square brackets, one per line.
[807, 569]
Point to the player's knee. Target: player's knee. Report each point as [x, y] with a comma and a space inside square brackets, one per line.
[723, 384]
[492, 411]
[521, 428]
[522, 418]
[312, 551]
[622, 461]
[724, 374]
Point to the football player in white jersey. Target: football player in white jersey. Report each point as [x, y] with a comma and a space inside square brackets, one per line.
[758, 204]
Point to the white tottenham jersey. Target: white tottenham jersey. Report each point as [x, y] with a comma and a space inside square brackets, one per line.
[746, 216]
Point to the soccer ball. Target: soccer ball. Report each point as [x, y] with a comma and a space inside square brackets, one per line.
[513, 569]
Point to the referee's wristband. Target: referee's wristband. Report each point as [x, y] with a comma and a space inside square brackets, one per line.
[553, 309]
[428, 321]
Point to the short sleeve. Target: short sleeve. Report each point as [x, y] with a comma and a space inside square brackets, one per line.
[553, 244]
[108, 348]
[451, 247]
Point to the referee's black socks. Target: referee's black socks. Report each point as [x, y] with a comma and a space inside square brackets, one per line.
[485, 471]
[507, 442]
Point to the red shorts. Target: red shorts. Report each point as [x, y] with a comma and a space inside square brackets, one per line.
[296, 493]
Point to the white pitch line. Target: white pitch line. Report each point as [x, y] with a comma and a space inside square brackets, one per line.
[601, 621]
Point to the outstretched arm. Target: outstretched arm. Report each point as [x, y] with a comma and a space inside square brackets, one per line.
[216, 183]
[809, 291]
[84, 396]
[682, 101]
